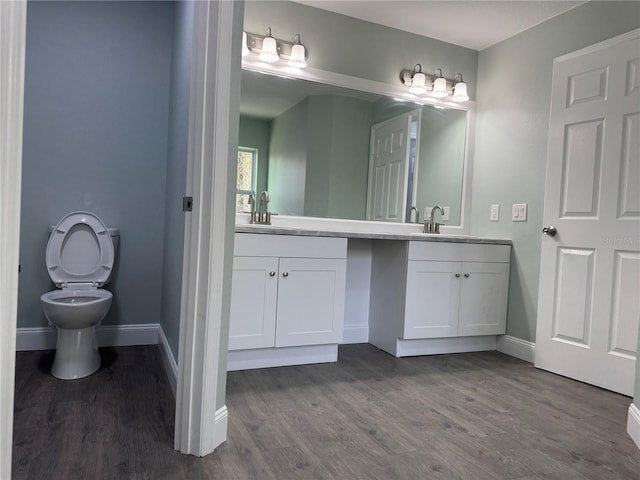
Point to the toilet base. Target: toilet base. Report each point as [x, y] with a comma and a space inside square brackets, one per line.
[77, 353]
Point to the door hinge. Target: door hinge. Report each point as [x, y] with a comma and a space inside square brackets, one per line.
[187, 204]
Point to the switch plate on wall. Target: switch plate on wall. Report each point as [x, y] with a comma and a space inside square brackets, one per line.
[427, 213]
[446, 213]
[495, 212]
[519, 212]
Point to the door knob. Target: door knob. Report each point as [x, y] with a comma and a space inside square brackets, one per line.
[551, 231]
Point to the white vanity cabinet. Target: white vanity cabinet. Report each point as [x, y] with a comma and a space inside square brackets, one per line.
[287, 300]
[423, 291]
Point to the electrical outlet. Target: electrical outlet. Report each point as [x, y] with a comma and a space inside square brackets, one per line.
[495, 212]
[445, 215]
[519, 212]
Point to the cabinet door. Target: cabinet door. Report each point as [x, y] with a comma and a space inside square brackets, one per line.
[483, 299]
[311, 295]
[254, 289]
[431, 306]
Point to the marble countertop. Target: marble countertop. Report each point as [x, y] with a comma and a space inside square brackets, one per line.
[423, 237]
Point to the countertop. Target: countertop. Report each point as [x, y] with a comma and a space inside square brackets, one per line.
[422, 237]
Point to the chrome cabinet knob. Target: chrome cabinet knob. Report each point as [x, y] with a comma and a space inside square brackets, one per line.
[466, 275]
[457, 275]
[272, 274]
[285, 274]
[550, 231]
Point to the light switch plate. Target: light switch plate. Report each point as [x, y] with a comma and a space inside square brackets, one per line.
[427, 213]
[495, 212]
[519, 212]
[446, 213]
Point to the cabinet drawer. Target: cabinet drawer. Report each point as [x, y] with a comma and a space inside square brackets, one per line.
[459, 252]
[264, 245]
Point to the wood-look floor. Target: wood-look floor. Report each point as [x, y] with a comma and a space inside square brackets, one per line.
[370, 416]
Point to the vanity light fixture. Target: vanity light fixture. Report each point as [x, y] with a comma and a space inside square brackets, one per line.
[459, 89]
[245, 48]
[439, 89]
[418, 81]
[269, 51]
[298, 53]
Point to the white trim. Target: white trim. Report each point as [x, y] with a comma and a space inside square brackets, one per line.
[437, 346]
[516, 347]
[13, 20]
[44, 338]
[220, 425]
[208, 254]
[633, 424]
[281, 356]
[599, 46]
[169, 361]
[355, 334]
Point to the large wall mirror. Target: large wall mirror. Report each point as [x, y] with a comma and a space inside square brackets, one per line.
[310, 144]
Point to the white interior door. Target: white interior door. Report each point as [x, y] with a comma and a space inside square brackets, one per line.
[388, 169]
[589, 301]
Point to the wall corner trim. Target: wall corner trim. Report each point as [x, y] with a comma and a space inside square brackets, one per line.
[516, 347]
[633, 424]
[220, 423]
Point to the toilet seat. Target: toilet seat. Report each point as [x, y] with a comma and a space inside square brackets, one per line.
[74, 262]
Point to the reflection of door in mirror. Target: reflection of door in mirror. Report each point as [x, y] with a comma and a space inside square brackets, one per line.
[390, 190]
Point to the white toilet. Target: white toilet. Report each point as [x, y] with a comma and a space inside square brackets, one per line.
[80, 255]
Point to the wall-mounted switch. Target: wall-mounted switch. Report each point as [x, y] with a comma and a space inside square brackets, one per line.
[519, 212]
[495, 212]
[445, 216]
[427, 213]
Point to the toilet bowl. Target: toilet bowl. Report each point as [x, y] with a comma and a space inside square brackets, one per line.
[79, 255]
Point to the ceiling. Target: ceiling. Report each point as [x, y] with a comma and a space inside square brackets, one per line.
[473, 24]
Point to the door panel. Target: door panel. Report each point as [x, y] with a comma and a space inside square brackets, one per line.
[388, 169]
[431, 305]
[588, 302]
[483, 298]
[253, 302]
[311, 295]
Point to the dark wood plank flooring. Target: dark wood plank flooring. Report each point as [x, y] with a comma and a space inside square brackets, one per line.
[370, 416]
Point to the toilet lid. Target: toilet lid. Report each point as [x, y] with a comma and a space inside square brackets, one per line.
[80, 250]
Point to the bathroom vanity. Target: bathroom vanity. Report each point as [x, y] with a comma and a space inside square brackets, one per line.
[425, 293]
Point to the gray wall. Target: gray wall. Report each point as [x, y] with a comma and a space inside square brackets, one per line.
[95, 138]
[256, 133]
[338, 43]
[514, 97]
[177, 150]
[337, 157]
[288, 160]
[636, 396]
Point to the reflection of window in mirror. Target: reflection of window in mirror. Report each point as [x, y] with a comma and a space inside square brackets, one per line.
[247, 175]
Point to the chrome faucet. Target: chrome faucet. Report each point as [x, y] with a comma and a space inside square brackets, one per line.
[430, 226]
[264, 216]
[252, 204]
[414, 209]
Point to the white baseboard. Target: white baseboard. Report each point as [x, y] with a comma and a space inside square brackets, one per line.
[355, 334]
[169, 361]
[44, 338]
[437, 346]
[280, 357]
[517, 347]
[633, 424]
[220, 426]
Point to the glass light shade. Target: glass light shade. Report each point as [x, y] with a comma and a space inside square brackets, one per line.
[418, 84]
[460, 92]
[297, 56]
[245, 48]
[269, 52]
[439, 88]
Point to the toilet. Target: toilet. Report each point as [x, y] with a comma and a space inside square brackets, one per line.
[79, 257]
